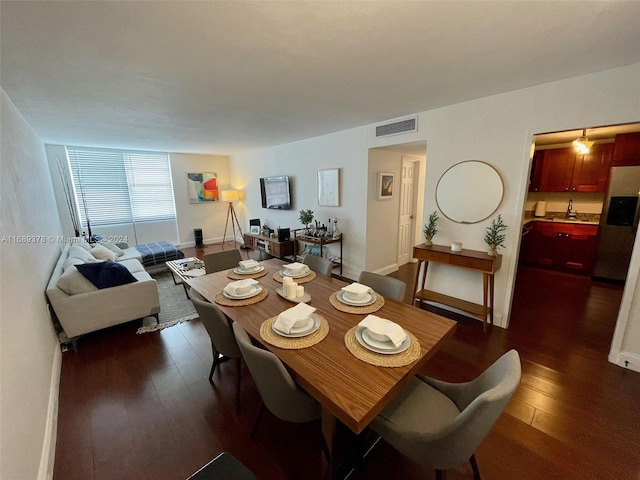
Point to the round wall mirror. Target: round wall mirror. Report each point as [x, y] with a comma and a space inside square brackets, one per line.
[469, 192]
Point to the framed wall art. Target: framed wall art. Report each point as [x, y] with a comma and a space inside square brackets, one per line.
[329, 187]
[386, 184]
[203, 187]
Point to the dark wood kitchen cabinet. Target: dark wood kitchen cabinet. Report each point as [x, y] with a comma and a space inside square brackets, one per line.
[626, 150]
[564, 247]
[562, 170]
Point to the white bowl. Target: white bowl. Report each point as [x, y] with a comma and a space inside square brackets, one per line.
[354, 297]
[295, 271]
[244, 290]
[378, 337]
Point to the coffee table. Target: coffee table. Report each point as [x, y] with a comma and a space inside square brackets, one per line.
[185, 268]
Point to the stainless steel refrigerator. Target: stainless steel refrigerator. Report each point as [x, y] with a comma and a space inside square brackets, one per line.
[618, 224]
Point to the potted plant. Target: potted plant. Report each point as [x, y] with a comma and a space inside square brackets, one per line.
[494, 235]
[306, 217]
[431, 228]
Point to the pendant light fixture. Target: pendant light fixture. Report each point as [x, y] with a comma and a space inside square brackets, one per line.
[582, 144]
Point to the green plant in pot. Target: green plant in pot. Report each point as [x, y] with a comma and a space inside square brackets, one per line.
[494, 235]
[430, 228]
[306, 217]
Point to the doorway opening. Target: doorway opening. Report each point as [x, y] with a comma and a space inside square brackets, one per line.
[393, 221]
[556, 293]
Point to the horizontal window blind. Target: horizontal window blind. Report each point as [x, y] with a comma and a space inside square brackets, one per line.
[114, 187]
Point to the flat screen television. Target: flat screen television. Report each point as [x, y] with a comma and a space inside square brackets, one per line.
[275, 193]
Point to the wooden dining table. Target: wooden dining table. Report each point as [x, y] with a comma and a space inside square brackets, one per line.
[350, 391]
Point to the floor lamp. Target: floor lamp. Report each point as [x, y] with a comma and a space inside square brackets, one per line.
[230, 196]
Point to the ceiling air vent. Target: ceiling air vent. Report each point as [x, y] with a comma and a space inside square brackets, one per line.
[402, 126]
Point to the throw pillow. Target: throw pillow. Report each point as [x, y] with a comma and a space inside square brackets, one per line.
[72, 282]
[81, 242]
[78, 252]
[70, 262]
[106, 274]
[102, 253]
[113, 247]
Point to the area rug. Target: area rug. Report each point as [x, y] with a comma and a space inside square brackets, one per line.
[175, 307]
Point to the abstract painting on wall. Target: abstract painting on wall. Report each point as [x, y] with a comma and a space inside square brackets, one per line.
[203, 187]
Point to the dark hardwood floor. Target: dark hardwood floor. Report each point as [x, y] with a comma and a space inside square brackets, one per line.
[141, 407]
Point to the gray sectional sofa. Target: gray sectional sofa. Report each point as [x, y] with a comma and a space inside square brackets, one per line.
[82, 308]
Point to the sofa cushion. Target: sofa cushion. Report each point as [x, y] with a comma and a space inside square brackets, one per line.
[103, 253]
[80, 253]
[72, 282]
[113, 247]
[106, 274]
[132, 265]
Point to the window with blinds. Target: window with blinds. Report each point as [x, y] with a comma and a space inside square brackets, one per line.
[119, 187]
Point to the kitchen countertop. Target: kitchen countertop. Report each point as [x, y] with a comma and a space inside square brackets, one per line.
[560, 217]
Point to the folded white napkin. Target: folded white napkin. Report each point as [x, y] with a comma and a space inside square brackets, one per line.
[384, 327]
[295, 267]
[240, 287]
[356, 290]
[248, 264]
[293, 317]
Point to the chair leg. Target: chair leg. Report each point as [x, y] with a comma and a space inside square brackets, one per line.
[214, 364]
[325, 449]
[238, 374]
[255, 425]
[474, 466]
[441, 475]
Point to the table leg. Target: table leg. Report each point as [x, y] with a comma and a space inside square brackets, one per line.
[485, 287]
[415, 281]
[491, 298]
[329, 433]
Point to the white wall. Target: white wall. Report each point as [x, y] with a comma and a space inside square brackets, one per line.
[210, 217]
[382, 215]
[30, 356]
[497, 129]
[301, 161]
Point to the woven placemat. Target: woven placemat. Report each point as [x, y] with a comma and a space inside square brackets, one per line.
[278, 278]
[410, 355]
[271, 337]
[229, 302]
[343, 307]
[241, 276]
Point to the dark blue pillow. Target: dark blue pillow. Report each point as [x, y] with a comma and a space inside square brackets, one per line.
[106, 274]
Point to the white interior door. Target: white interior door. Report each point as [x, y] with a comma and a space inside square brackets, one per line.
[406, 227]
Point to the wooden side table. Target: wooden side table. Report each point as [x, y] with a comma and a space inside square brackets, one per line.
[469, 259]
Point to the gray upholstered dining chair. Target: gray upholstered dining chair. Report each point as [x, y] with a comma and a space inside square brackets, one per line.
[280, 393]
[318, 264]
[216, 262]
[223, 341]
[388, 287]
[441, 424]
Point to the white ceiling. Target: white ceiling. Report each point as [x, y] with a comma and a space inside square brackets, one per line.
[224, 77]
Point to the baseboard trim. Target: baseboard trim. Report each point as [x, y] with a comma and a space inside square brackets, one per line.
[629, 361]
[386, 270]
[47, 457]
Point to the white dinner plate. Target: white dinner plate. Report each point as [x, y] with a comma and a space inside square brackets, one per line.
[301, 331]
[284, 273]
[242, 271]
[368, 299]
[372, 346]
[255, 290]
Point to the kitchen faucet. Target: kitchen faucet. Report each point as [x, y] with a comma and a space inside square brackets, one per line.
[569, 209]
